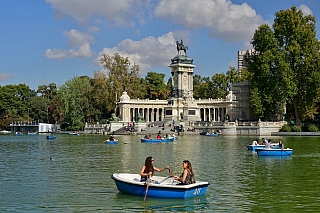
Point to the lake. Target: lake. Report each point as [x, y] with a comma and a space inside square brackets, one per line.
[77, 178]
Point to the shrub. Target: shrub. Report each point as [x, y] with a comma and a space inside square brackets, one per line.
[286, 128]
[296, 129]
[313, 128]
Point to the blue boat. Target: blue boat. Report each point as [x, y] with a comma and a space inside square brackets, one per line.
[50, 137]
[274, 152]
[163, 187]
[143, 140]
[212, 134]
[111, 142]
[254, 147]
[18, 134]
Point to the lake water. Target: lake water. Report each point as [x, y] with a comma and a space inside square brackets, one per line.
[78, 178]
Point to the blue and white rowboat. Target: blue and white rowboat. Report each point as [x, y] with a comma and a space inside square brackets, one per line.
[274, 152]
[143, 140]
[165, 188]
[50, 137]
[254, 147]
[111, 142]
[212, 134]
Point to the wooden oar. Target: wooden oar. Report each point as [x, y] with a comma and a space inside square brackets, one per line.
[170, 175]
[148, 182]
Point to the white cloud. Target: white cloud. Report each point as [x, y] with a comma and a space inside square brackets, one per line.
[4, 76]
[94, 29]
[77, 38]
[81, 46]
[119, 11]
[84, 51]
[224, 20]
[305, 9]
[148, 52]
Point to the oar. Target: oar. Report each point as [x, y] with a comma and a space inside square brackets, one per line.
[148, 182]
[170, 175]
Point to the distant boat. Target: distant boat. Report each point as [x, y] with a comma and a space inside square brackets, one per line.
[74, 133]
[212, 134]
[255, 147]
[18, 134]
[5, 132]
[274, 152]
[115, 141]
[50, 137]
[32, 133]
[143, 140]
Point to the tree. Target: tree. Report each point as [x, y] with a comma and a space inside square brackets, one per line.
[219, 86]
[121, 77]
[14, 103]
[72, 95]
[285, 66]
[156, 87]
[233, 76]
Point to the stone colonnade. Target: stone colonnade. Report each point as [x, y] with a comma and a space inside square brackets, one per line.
[147, 113]
[213, 114]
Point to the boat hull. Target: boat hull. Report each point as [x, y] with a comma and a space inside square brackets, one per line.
[274, 152]
[254, 147]
[130, 184]
[156, 140]
[50, 137]
[112, 142]
[212, 135]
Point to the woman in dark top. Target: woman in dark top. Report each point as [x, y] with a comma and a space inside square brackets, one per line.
[149, 168]
[187, 176]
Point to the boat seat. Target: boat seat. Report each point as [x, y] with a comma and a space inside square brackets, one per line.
[136, 179]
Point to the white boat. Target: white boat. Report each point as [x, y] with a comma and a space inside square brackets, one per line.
[5, 132]
[160, 187]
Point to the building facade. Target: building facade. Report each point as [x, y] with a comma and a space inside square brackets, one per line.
[181, 105]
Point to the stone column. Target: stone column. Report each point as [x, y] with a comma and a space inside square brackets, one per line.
[157, 114]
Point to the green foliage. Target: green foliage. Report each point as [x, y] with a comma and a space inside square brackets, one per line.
[313, 128]
[284, 70]
[296, 129]
[214, 87]
[286, 128]
[156, 87]
[14, 103]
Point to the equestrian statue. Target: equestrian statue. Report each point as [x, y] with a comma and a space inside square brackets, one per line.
[180, 46]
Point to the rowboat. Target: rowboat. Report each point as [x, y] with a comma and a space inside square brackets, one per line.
[32, 133]
[212, 134]
[112, 142]
[254, 147]
[160, 187]
[173, 137]
[143, 140]
[5, 132]
[274, 152]
[50, 137]
[18, 134]
[74, 133]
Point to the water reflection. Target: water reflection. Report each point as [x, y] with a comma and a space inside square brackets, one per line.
[157, 204]
[79, 180]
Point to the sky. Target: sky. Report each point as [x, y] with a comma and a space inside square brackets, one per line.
[52, 41]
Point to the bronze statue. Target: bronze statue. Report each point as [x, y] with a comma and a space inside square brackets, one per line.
[180, 46]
